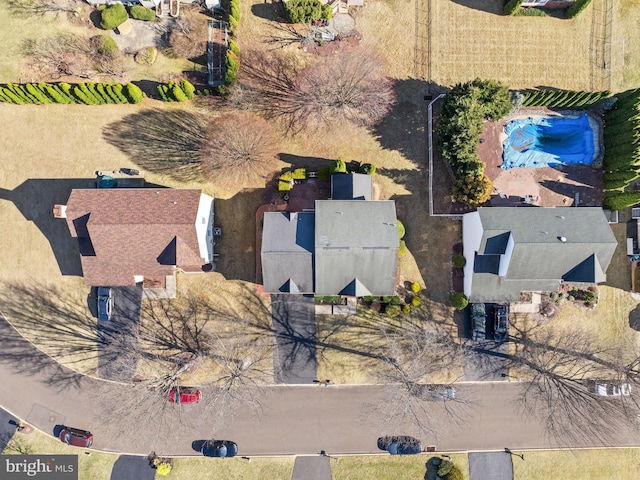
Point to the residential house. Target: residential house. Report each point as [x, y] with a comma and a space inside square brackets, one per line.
[125, 235]
[511, 250]
[346, 246]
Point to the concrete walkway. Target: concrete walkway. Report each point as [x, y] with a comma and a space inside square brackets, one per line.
[312, 468]
[490, 466]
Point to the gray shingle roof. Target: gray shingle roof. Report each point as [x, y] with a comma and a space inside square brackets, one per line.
[356, 246]
[550, 245]
[287, 252]
[351, 186]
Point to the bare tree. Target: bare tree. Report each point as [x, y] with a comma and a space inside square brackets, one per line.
[188, 37]
[28, 8]
[414, 353]
[350, 85]
[240, 147]
[561, 363]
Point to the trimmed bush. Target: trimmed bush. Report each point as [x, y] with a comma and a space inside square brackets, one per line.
[232, 65]
[512, 7]
[303, 11]
[459, 261]
[402, 250]
[530, 12]
[575, 9]
[445, 468]
[188, 88]
[415, 287]
[459, 300]
[177, 93]
[406, 309]
[113, 16]
[368, 169]
[396, 300]
[338, 167]
[589, 296]
[401, 229]
[392, 310]
[142, 13]
[105, 45]
[473, 190]
[233, 46]
[415, 302]
[620, 200]
[133, 93]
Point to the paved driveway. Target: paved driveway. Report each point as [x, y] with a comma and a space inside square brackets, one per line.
[490, 466]
[484, 358]
[129, 467]
[117, 353]
[7, 427]
[294, 324]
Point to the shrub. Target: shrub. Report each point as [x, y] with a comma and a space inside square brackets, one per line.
[445, 468]
[402, 251]
[575, 9]
[553, 296]
[299, 11]
[105, 45]
[392, 310]
[415, 302]
[146, 56]
[368, 169]
[459, 300]
[163, 91]
[395, 300]
[188, 88]
[142, 13]
[177, 93]
[401, 229]
[133, 93]
[406, 309]
[232, 65]
[459, 261]
[589, 296]
[415, 287]
[571, 298]
[620, 200]
[472, 190]
[530, 12]
[233, 46]
[512, 7]
[114, 16]
[338, 167]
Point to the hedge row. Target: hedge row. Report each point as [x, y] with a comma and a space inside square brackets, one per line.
[112, 16]
[176, 92]
[512, 7]
[575, 9]
[303, 11]
[563, 98]
[87, 93]
[621, 162]
[232, 57]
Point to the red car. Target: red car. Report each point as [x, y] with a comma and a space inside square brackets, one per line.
[76, 437]
[184, 395]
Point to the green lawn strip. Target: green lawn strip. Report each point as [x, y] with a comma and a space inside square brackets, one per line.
[410, 467]
[259, 468]
[578, 464]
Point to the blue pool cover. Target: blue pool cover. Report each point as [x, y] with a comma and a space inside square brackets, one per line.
[537, 142]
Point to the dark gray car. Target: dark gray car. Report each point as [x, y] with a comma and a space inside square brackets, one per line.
[105, 303]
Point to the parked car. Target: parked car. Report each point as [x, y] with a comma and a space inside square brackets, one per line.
[610, 389]
[219, 448]
[76, 437]
[400, 445]
[478, 321]
[184, 395]
[501, 323]
[105, 303]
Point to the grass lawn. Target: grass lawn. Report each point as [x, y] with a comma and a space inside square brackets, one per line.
[411, 467]
[578, 464]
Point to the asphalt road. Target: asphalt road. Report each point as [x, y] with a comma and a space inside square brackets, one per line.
[294, 419]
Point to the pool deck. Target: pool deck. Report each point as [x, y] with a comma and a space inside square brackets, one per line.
[561, 186]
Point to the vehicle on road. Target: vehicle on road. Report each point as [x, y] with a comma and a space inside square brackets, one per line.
[105, 303]
[400, 445]
[185, 395]
[219, 448]
[610, 389]
[501, 323]
[76, 437]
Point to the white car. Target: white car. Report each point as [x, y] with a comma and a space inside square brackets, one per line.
[611, 389]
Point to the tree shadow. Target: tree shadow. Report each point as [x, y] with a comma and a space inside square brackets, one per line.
[35, 198]
[163, 142]
[490, 6]
[270, 11]
[634, 319]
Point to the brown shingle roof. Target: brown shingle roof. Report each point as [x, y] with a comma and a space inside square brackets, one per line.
[127, 232]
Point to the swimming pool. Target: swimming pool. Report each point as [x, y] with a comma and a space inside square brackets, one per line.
[537, 142]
